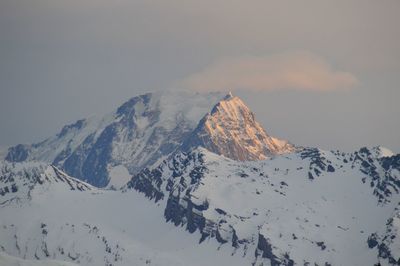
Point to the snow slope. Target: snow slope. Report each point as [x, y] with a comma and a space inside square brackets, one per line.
[7, 260]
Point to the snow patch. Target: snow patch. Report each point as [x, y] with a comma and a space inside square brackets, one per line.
[119, 176]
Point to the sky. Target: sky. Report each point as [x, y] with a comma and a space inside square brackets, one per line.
[318, 73]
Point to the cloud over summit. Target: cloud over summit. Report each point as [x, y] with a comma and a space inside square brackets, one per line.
[292, 70]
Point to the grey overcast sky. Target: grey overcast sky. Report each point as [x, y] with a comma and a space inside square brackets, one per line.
[318, 73]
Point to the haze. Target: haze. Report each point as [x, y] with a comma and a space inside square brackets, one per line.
[318, 73]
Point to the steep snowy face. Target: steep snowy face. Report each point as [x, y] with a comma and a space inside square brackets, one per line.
[231, 130]
[139, 133]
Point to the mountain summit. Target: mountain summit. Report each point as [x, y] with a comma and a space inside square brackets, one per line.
[230, 129]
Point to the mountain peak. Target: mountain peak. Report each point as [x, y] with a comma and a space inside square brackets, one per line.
[230, 129]
[228, 96]
[231, 106]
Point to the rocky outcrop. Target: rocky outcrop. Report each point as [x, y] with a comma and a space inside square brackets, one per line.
[265, 251]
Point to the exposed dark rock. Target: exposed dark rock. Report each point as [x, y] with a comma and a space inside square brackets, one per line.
[265, 248]
[148, 182]
[17, 153]
[321, 245]
[77, 125]
[180, 215]
[330, 168]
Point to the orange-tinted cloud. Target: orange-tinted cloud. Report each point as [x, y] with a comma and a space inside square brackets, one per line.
[294, 70]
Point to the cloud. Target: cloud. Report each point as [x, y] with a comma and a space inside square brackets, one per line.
[292, 70]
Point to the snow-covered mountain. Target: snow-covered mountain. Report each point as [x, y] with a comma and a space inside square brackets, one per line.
[202, 183]
[230, 129]
[148, 128]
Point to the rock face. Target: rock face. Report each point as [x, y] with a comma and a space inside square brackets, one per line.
[231, 130]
